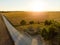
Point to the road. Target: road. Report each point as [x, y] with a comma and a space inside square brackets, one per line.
[5, 38]
[20, 38]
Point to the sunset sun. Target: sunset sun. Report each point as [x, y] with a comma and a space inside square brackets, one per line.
[38, 6]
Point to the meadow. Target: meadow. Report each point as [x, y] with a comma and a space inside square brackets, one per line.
[15, 16]
[45, 24]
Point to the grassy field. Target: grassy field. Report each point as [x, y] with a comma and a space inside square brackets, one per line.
[54, 15]
[16, 17]
[47, 31]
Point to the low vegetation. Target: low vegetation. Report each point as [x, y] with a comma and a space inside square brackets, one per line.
[31, 22]
[23, 22]
[50, 30]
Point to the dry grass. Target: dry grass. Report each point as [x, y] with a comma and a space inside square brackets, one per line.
[16, 17]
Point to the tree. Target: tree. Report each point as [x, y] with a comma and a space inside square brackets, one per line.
[23, 22]
[31, 22]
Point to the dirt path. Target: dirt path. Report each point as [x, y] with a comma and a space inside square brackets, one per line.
[5, 38]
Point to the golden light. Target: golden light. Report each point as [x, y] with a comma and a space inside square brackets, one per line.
[38, 5]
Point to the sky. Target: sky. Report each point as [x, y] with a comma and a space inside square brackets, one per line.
[29, 5]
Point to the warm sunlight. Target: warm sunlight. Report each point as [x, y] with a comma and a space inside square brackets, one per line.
[38, 6]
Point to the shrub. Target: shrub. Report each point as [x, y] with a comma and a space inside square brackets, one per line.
[38, 30]
[48, 22]
[49, 35]
[31, 31]
[23, 22]
[52, 33]
[38, 22]
[44, 34]
[31, 22]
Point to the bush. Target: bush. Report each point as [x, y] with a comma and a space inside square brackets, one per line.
[31, 22]
[31, 31]
[48, 22]
[38, 30]
[23, 22]
[38, 22]
[44, 34]
[52, 33]
[49, 35]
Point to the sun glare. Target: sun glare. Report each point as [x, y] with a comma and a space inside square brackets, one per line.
[38, 6]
